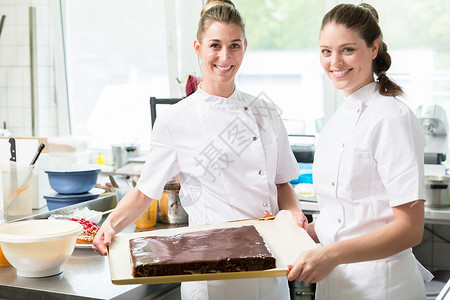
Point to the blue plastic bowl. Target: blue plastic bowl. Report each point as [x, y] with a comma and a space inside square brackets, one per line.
[73, 182]
[56, 202]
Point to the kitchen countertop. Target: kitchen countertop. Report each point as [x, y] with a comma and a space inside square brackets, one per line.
[85, 275]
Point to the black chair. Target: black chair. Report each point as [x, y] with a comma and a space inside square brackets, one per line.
[159, 101]
[304, 151]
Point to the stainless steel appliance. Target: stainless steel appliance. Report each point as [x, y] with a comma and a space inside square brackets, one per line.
[433, 120]
[122, 153]
[437, 191]
[435, 127]
[301, 290]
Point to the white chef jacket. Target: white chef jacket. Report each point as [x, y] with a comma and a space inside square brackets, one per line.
[228, 153]
[368, 159]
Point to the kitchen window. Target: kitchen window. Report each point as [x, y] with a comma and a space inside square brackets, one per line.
[119, 53]
[282, 61]
[283, 57]
[116, 58]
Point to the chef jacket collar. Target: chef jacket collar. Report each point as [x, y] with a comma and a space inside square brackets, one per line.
[362, 94]
[236, 96]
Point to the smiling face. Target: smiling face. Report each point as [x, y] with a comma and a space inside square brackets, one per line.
[222, 50]
[346, 58]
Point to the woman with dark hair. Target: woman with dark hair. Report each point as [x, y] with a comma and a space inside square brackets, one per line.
[232, 158]
[368, 172]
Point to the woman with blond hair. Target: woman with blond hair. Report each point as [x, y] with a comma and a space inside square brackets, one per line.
[232, 159]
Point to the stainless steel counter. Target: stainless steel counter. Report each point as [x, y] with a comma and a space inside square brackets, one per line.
[437, 215]
[85, 275]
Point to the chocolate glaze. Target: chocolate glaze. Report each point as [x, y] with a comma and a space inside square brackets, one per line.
[209, 251]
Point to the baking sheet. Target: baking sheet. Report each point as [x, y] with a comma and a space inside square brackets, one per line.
[285, 240]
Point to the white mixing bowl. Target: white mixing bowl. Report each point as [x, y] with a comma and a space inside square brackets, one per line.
[39, 248]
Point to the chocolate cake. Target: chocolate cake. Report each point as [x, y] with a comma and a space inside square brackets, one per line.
[209, 251]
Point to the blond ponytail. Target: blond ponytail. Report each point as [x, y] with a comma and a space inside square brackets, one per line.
[222, 11]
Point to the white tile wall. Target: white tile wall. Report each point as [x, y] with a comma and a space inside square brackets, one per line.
[8, 55]
[22, 15]
[15, 74]
[14, 77]
[2, 77]
[10, 11]
[9, 35]
[3, 100]
[23, 35]
[23, 56]
[14, 97]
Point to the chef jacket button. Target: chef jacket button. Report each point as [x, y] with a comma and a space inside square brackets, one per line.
[332, 183]
[358, 110]
[245, 108]
[265, 204]
[339, 220]
[255, 138]
[260, 172]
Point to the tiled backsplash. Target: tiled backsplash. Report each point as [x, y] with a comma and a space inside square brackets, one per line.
[15, 70]
[433, 251]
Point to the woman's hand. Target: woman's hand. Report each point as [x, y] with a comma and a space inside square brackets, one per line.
[103, 238]
[300, 219]
[404, 232]
[132, 205]
[288, 200]
[312, 266]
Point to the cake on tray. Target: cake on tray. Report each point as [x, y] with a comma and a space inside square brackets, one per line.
[208, 251]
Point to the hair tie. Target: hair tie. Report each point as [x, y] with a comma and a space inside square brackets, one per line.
[381, 74]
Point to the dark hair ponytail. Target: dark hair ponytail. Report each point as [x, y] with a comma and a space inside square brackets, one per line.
[363, 18]
[380, 65]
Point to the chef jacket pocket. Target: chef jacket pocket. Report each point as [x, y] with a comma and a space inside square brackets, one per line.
[354, 175]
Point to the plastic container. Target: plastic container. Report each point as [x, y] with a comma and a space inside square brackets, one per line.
[20, 189]
[84, 213]
[100, 159]
[39, 248]
[72, 181]
[55, 203]
[56, 200]
[122, 153]
[148, 218]
[306, 178]
[305, 174]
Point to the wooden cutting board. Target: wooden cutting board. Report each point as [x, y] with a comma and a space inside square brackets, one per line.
[285, 240]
